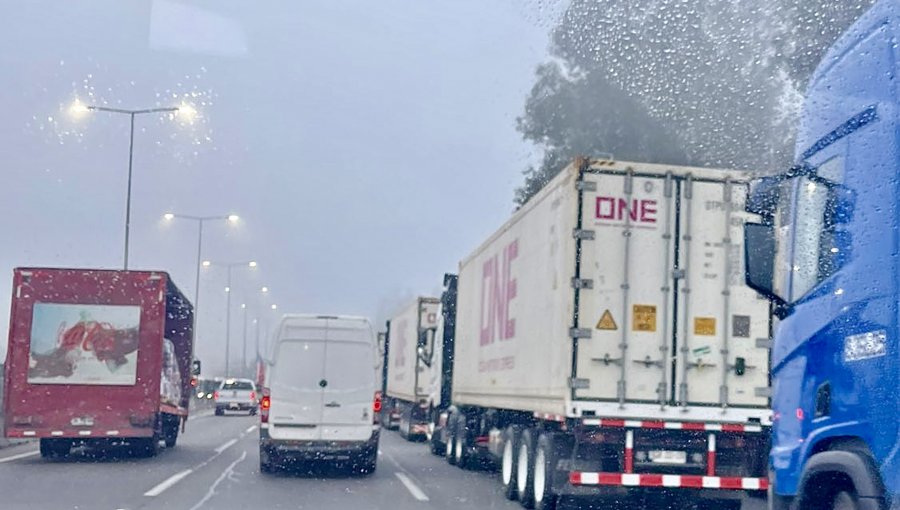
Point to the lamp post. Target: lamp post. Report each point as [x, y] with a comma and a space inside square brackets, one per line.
[228, 290]
[231, 218]
[78, 108]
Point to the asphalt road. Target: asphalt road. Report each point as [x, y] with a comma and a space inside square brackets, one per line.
[216, 466]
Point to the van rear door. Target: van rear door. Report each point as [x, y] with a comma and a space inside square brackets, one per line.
[350, 378]
[295, 387]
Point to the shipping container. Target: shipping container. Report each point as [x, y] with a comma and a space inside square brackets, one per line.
[605, 339]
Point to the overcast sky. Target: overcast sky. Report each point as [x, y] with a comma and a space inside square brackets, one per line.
[367, 146]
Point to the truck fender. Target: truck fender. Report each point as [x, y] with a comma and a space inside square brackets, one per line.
[860, 469]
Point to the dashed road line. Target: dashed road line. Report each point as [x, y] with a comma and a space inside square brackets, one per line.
[172, 480]
[250, 429]
[411, 487]
[225, 474]
[226, 446]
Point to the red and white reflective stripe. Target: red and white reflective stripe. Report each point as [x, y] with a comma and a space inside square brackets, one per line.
[711, 455]
[482, 440]
[671, 425]
[550, 417]
[654, 480]
[629, 451]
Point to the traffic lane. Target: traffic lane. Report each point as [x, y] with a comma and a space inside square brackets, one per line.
[92, 479]
[236, 483]
[407, 478]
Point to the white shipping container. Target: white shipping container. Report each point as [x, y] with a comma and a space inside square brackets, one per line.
[409, 376]
[617, 291]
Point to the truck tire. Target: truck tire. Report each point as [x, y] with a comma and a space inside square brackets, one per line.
[462, 454]
[220, 411]
[451, 439]
[170, 430]
[844, 500]
[525, 468]
[55, 448]
[509, 461]
[550, 448]
[146, 446]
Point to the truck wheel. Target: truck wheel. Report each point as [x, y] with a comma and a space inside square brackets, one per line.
[451, 440]
[170, 431]
[508, 462]
[461, 453]
[546, 456]
[844, 500]
[525, 469]
[437, 447]
[220, 411]
[54, 448]
[147, 446]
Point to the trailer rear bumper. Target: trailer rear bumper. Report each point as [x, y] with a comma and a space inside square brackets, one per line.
[68, 433]
[582, 478]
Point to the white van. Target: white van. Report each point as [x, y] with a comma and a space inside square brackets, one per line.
[321, 398]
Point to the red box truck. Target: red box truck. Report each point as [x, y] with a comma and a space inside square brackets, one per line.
[97, 357]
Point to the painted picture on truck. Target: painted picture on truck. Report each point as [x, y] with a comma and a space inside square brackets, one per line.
[84, 344]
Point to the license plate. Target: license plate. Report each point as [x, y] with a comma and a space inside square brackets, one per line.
[86, 421]
[668, 457]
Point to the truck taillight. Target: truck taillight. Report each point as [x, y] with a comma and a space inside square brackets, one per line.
[252, 395]
[266, 403]
[194, 382]
[376, 408]
[215, 395]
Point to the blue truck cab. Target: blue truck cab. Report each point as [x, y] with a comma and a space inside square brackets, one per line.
[827, 253]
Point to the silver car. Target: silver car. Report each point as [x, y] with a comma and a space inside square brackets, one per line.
[236, 395]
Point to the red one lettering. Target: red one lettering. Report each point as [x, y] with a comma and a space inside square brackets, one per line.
[498, 288]
[618, 209]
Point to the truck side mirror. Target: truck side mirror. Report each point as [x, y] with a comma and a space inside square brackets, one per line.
[759, 259]
[195, 367]
[425, 346]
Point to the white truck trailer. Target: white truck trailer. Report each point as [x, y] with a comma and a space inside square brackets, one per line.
[607, 346]
[412, 380]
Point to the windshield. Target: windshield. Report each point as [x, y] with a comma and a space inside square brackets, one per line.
[445, 254]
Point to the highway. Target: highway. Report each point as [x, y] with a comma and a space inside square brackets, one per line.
[215, 466]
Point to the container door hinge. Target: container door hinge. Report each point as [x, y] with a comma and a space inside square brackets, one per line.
[582, 283]
[585, 235]
[580, 333]
[579, 384]
[586, 186]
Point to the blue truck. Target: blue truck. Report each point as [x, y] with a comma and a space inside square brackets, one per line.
[827, 254]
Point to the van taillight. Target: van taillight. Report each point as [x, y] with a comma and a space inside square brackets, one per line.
[376, 405]
[252, 395]
[215, 395]
[264, 404]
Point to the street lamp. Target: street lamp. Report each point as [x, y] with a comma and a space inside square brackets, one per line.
[78, 108]
[231, 218]
[229, 265]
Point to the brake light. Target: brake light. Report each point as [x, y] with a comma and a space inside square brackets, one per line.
[376, 408]
[193, 381]
[264, 404]
[215, 395]
[252, 395]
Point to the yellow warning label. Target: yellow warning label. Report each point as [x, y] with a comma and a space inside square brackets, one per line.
[644, 318]
[705, 326]
[607, 322]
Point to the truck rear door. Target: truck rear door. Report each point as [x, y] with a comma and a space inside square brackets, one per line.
[295, 387]
[664, 315]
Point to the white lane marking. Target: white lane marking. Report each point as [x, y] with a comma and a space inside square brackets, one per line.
[411, 487]
[19, 456]
[212, 488]
[172, 480]
[226, 446]
[251, 429]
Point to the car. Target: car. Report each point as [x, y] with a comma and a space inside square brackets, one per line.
[236, 395]
[321, 399]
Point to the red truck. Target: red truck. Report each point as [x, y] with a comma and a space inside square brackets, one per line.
[98, 357]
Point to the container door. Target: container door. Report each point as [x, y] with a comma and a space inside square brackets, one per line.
[426, 343]
[625, 297]
[349, 387]
[723, 324]
[296, 388]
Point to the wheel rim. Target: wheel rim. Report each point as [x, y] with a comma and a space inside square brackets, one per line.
[459, 449]
[507, 462]
[843, 501]
[539, 475]
[522, 471]
[448, 447]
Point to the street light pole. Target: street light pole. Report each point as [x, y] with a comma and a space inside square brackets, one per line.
[244, 353]
[228, 290]
[80, 108]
